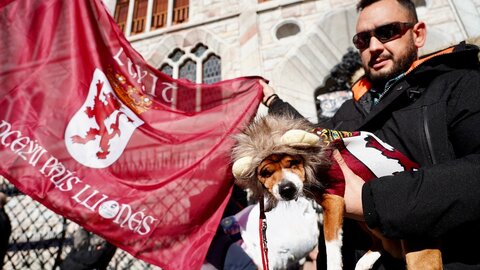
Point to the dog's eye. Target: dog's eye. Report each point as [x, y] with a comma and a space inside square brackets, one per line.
[294, 162]
[265, 173]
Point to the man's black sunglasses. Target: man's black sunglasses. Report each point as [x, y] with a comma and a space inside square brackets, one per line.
[383, 33]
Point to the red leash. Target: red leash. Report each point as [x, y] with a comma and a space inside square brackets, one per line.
[262, 230]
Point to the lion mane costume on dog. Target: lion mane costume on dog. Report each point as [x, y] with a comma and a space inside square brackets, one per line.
[275, 134]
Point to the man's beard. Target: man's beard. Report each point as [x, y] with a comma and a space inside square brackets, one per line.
[400, 66]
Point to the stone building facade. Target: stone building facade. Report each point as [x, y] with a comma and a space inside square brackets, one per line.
[292, 43]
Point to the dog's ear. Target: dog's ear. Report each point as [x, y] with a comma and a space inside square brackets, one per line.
[270, 203]
[260, 192]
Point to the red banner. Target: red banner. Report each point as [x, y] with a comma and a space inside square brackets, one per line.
[94, 133]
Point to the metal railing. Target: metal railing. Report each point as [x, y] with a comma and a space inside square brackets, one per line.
[159, 20]
[180, 14]
[41, 239]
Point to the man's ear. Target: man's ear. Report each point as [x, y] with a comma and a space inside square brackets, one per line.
[419, 34]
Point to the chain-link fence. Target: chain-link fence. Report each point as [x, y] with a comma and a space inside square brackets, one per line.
[41, 239]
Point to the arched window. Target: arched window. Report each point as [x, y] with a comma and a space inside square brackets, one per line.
[198, 64]
[167, 69]
[211, 69]
[188, 70]
[199, 50]
[176, 55]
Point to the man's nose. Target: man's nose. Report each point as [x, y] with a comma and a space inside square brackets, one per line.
[375, 44]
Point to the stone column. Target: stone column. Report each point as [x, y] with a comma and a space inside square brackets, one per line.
[169, 13]
[148, 21]
[249, 40]
[128, 25]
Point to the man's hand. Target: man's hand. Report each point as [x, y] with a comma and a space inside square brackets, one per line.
[267, 92]
[353, 189]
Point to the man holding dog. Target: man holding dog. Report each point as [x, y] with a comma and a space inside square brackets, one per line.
[429, 109]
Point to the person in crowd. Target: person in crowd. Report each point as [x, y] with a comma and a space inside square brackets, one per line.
[428, 108]
[89, 252]
[224, 251]
[5, 229]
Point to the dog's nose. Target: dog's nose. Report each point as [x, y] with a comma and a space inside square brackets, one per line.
[288, 191]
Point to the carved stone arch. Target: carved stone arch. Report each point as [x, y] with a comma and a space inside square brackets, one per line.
[163, 48]
[212, 41]
[306, 66]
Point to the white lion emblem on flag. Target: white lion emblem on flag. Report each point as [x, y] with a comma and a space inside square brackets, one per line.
[98, 133]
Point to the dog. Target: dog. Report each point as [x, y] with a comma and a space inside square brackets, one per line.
[293, 247]
[281, 158]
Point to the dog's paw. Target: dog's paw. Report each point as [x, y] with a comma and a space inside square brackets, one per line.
[298, 137]
[241, 166]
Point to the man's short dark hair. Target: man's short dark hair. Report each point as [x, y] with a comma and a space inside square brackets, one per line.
[408, 4]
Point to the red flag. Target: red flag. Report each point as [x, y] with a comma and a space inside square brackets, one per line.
[94, 133]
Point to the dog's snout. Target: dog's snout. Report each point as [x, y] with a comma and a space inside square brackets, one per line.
[288, 191]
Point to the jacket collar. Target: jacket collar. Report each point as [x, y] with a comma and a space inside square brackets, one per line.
[363, 85]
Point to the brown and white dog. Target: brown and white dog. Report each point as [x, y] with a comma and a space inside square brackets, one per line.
[282, 158]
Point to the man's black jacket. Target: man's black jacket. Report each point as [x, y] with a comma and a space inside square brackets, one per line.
[432, 115]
